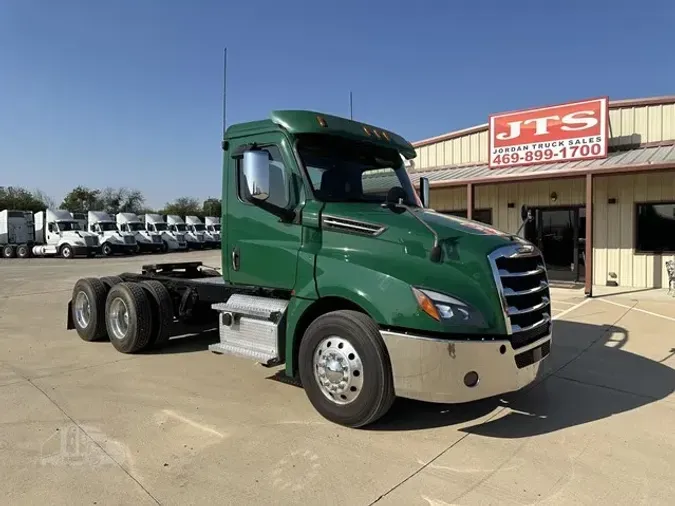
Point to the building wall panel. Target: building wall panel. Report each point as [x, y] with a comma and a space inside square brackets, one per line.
[629, 126]
[614, 229]
[448, 199]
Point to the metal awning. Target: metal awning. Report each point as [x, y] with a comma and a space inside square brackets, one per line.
[644, 158]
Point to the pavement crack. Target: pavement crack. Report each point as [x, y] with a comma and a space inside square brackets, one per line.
[423, 467]
[74, 422]
[607, 387]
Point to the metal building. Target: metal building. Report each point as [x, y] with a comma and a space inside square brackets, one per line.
[606, 221]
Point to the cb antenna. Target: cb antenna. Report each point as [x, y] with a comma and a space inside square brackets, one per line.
[224, 91]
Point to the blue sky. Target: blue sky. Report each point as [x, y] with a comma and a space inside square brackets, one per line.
[128, 92]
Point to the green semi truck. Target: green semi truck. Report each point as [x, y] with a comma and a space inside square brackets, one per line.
[335, 268]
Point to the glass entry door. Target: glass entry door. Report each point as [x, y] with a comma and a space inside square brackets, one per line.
[560, 234]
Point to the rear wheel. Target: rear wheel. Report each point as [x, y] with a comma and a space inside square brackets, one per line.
[162, 312]
[345, 368]
[23, 251]
[128, 317]
[110, 281]
[88, 309]
[8, 251]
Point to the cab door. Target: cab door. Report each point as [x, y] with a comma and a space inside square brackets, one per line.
[262, 249]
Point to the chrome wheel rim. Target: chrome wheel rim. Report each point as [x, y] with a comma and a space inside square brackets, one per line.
[82, 310]
[338, 370]
[66, 252]
[119, 318]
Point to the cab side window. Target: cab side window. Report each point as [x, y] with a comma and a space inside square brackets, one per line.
[279, 178]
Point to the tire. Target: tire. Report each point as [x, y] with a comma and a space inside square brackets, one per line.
[132, 299]
[92, 328]
[106, 250]
[162, 312]
[110, 281]
[23, 251]
[66, 251]
[374, 384]
[8, 251]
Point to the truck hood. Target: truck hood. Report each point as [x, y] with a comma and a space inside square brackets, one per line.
[398, 247]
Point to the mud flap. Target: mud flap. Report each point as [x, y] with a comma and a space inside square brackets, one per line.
[70, 325]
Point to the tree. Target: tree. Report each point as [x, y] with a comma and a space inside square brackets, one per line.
[81, 199]
[183, 206]
[20, 199]
[212, 207]
[121, 200]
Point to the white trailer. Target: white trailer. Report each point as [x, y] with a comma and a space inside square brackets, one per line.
[112, 240]
[213, 228]
[58, 233]
[197, 228]
[17, 234]
[178, 226]
[147, 241]
[172, 240]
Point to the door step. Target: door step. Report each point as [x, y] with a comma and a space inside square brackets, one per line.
[251, 327]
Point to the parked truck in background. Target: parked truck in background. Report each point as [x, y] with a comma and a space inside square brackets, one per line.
[81, 219]
[178, 226]
[334, 268]
[171, 240]
[198, 229]
[17, 233]
[148, 242]
[111, 239]
[213, 227]
[58, 233]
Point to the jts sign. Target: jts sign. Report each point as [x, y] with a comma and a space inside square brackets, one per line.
[573, 131]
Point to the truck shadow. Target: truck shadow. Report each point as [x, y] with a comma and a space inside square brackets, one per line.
[589, 376]
[188, 339]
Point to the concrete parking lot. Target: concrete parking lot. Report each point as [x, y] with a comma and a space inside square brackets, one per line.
[81, 423]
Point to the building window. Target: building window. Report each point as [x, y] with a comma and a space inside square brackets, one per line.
[655, 227]
[482, 215]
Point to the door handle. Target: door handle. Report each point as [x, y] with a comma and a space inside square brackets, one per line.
[235, 258]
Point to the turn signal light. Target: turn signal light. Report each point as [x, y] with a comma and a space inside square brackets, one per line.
[426, 304]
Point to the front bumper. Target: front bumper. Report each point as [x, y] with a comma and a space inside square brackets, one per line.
[122, 248]
[150, 246]
[82, 251]
[434, 370]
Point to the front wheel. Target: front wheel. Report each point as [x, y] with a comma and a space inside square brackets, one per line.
[67, 251]
[106, 249]
[345, 368]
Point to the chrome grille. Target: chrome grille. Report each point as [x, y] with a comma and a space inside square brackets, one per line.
[129, 239]
[522, 282]
[156, 238]
[180, 237]
[90, 241]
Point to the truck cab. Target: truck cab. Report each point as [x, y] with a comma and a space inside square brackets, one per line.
[334, 266]
[172, 240]
[148, 242]
[178, 226]
[213, 227]
[58, 233]
[111, 239]
[198, 229]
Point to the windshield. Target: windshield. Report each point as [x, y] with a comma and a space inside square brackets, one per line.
[135, 227]
[180, 227]
[65, 226]
[199, 227]
[107, 226]
[350, 171]
[161, 227]
[215, 227]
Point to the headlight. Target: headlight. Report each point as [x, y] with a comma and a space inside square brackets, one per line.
[445, 308]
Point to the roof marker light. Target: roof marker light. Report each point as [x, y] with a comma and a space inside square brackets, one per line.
[321, 121]
[365, 129]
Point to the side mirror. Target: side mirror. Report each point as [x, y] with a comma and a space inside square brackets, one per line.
[424, 191]
[257, 172]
